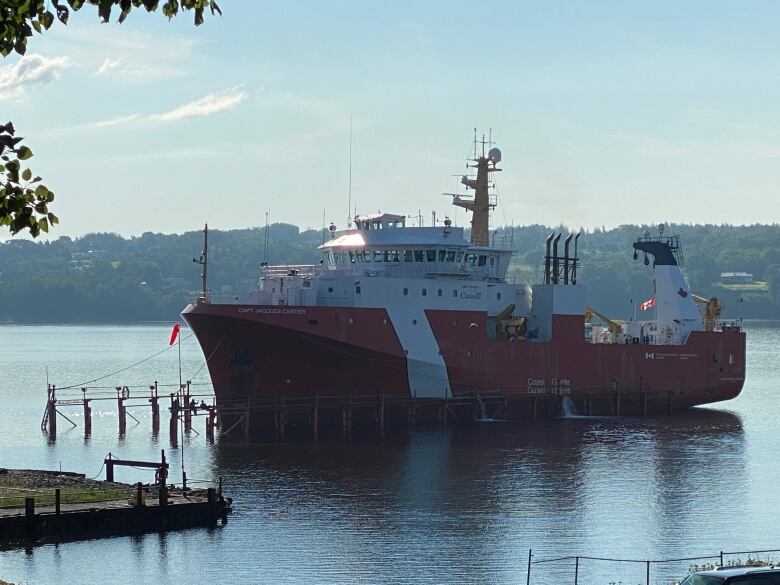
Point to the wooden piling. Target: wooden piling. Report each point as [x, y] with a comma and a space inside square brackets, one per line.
[51, 411]
[122, 392]
[187, 408]
[282, 420]
[154, 400]
[173, 425]
[315, 417]
[87, 414]
[382, 413]
[210, 422]
[57, 500]
[644, 403]
[247, 420]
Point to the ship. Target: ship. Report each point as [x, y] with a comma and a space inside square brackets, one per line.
[403, 324]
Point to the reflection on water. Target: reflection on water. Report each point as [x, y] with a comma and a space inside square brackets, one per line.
[458, 505]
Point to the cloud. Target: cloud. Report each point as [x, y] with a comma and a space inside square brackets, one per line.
[137, 73]
[30, 70]
[116, 121]
[109, 66]
[214, 103]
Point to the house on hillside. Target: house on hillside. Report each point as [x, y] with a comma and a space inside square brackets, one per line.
[736, 278]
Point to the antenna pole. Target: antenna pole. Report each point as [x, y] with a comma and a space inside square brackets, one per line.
[349, 196]
[205, 274]
[265, 251]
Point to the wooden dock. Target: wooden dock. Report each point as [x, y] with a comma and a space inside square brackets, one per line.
[60, 514]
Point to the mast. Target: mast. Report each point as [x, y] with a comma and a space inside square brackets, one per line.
[480, 204]
[205, 263]
[203, 298]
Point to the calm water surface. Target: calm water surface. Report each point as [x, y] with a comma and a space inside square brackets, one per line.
[435, 506]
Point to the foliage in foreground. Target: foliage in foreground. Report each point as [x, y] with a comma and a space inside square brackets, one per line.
[23, 204]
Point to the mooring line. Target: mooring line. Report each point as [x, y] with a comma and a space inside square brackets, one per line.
[82, 384]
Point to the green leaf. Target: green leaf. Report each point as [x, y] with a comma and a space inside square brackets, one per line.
[27, 174]
[47, 19]
[23, 153]
[41, 192]
[43, 224]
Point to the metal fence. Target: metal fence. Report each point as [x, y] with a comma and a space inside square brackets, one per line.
[588, 570]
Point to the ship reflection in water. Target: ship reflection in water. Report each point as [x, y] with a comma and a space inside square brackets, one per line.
[466, 505]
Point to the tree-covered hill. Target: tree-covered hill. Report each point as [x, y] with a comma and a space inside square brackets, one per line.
[104, 277]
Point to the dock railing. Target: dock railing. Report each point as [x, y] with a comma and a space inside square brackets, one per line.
[585, 569]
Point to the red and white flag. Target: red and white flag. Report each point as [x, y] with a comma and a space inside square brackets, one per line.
[647, 304]
[174, 333]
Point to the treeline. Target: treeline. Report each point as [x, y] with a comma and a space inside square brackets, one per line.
[106, 278]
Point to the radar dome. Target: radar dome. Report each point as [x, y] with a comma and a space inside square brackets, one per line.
[495, 155]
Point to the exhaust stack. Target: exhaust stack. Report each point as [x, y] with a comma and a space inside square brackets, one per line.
[547, 258]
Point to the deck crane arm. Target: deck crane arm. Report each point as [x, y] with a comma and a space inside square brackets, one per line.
[614, 327]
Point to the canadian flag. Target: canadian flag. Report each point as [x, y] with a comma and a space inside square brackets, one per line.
[174, 333]
[647, 304]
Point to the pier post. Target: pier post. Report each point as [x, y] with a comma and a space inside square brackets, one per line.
[162, 483]
[57, 500]
[173, 426]
[382, 413]
[349, 414]
[139, 495]
[51, 411]
[29, 508]
[246, 420]
[315, 417]
[155, 408]
[87, 414]
[210, 422]
[109, 467]
[281, 419]
[121, 392]
[576, 569]
[187, 409]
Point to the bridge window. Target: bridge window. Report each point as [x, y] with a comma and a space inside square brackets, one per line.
[425, 292]
[451, 256]
[460, 257]
[377, 256]
[442, 254]
[471, 259]
[482, 260]
[492, 260]
[351, 256]
[455, 293]
[407, 255]
[430, 255]
[406, 292]
[439, 292]
[498, 296]
[419, 256]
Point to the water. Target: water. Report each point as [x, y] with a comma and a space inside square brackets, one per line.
[461, 505]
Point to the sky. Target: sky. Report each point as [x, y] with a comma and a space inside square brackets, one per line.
[607, 113]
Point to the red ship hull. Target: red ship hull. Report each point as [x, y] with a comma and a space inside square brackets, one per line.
[280, 362]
